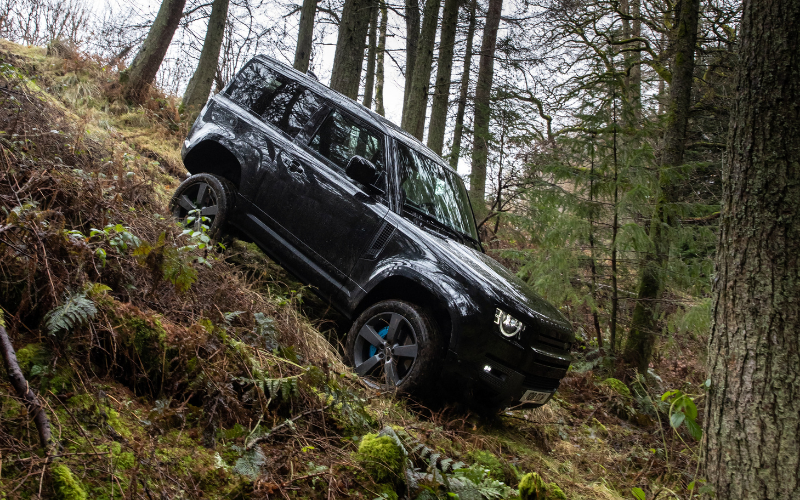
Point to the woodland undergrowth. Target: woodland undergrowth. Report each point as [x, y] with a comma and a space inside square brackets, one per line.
[169, 368]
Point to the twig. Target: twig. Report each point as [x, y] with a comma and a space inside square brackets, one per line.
[25, 459]
[249, 446]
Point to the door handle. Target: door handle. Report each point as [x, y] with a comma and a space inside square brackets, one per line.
[292, 165]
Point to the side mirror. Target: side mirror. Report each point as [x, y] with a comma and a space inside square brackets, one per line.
[362, 170]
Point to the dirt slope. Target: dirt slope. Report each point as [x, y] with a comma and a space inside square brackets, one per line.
[172, 370]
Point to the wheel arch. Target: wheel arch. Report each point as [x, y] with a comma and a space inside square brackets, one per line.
[415, 291]
[210, 156]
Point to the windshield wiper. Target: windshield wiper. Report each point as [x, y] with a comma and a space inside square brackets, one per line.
[436, 222]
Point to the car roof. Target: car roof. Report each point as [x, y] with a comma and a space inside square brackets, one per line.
[380, 122]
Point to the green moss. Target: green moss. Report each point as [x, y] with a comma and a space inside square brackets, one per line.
[66, 486]
[555, 493]
[618, 386]
[489, 461]
[533, 487]
[114, 421]
[387, 492]
[381, 458]
[32, 355]
[82, 401]
[143, 336]
[123, 460]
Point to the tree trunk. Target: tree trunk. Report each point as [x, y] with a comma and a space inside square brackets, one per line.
[635, 84]
[455, 151]
[639, 346]
[412, 40]
[752, 419]
[379, 78]
[631, 28]
[444, 70]
[369, 84]
[349, 57]
[199, 87]
[416, 101]
[483, 88]
[23, 390]
[137, 79]
[305, 35]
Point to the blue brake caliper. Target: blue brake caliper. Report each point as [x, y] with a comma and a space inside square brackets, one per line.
[382, 333]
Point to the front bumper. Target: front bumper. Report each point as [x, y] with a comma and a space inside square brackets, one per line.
[489, 381]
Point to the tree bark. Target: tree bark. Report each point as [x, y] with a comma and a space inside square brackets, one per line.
[305, 35]
[138, 78]
[416, 101]
[349, 57]
[483, 88]
[639, 346]
[455, 151]
[369, 84]
[752, 418]
[412, 40]
[199, 87]
[444, 70]
[379, 75]
[23, 390]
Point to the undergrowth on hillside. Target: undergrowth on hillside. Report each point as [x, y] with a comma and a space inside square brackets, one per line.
[171, 369]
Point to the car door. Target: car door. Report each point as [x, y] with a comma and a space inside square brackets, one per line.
[285, 106]
[332, 215]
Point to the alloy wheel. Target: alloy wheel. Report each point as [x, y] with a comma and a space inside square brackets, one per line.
[386, 349]
[198, 201]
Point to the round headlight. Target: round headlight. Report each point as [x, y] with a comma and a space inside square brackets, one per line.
[509, 325]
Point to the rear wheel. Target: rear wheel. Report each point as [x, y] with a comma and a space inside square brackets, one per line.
[396, 344]
[203, 200]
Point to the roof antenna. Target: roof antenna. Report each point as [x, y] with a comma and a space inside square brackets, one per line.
[312, 75]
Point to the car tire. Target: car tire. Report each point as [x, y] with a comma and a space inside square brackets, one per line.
[396, 345]
[212, 195]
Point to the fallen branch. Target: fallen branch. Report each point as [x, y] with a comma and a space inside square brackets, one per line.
[23, 390]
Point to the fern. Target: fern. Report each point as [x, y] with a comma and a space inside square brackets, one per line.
[469, 483]
[275, 388]
[250, 462]
[77, 309]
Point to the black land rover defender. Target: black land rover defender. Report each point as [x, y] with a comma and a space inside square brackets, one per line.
[381, 227]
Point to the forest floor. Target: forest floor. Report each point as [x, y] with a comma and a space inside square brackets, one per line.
[169, 369]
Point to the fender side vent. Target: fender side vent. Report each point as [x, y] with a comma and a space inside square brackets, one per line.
[380, 241]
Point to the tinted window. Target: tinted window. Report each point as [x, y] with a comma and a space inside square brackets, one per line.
[282, 102]
[434, 190]
[290, 107]
[252, 85]
[340, 138]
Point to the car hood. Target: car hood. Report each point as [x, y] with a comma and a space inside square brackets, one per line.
[499, 284]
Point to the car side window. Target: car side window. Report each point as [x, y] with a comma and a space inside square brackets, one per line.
[291, 107]
[277, 99]
[253, 86]
[339, 138]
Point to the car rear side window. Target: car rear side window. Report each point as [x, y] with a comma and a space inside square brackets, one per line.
[277, 99]
[339, 138]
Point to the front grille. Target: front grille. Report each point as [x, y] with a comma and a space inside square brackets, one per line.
[545, 384]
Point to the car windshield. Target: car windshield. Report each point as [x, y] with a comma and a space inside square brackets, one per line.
[435, 191]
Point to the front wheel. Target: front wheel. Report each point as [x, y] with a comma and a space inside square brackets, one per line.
[395, 344]
[203, 203]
